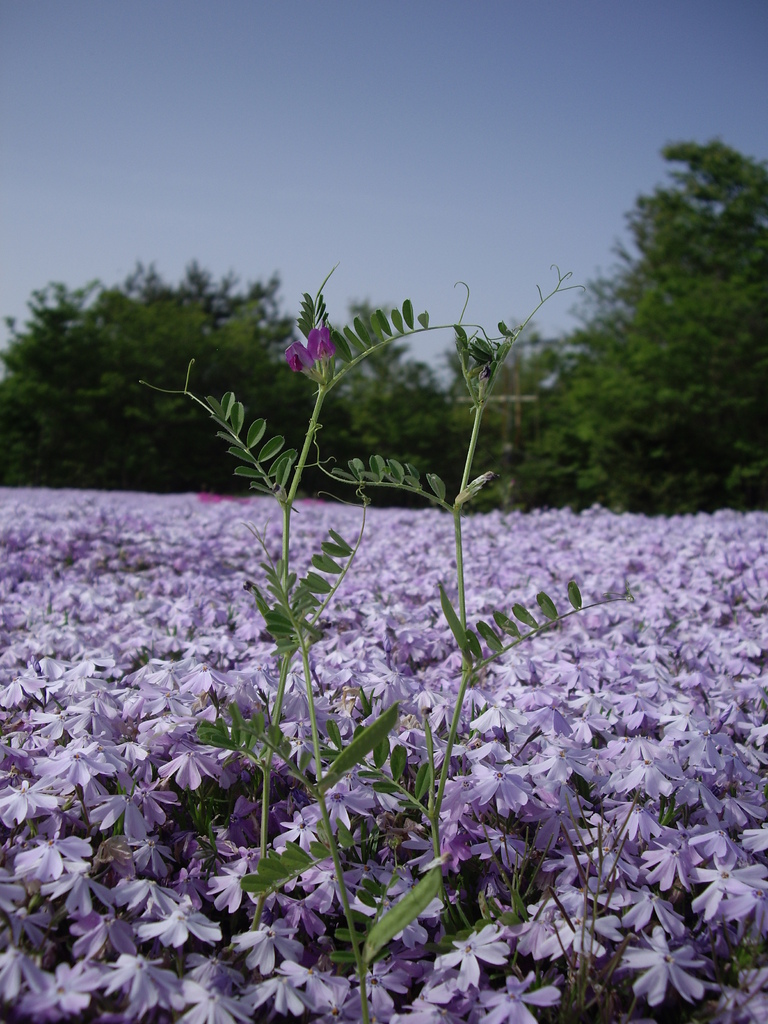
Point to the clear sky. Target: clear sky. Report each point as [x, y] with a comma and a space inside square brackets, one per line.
[415, 143]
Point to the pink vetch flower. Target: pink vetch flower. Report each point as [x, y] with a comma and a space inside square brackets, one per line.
[298, 357]
[664, 966]
[508, 1007]
[319, 344]
[484, 945]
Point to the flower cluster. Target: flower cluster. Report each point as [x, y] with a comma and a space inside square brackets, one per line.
[305, 359]
[605, 804]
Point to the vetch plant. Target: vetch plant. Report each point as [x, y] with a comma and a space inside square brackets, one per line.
[292, 606]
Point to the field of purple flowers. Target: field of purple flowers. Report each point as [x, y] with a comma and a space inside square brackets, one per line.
[603, 827]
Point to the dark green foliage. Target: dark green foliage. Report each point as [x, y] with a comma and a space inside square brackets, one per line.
[73, 413]
[659, 401]
[72, 410]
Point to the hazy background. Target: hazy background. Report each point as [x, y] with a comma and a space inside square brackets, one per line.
[414, 143]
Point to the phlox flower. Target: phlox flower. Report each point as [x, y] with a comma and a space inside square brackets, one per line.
[96, 931]
[48, 859]
[25, 802]
[501, 782]
[174, 929]
[77, 765]
[144, 984]
[189, 767]
[80, 889]
[210, 1006]
[226, 886]
[484, 945]
[64, 994]
[664, 966]
[645, 905]
[508, 1006]
[16, 967]
[725, 880]
[671, 857]
[283, 990]
[301, 830]
[263, 942]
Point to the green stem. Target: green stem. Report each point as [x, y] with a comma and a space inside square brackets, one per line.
[359, 961]
[285, 661]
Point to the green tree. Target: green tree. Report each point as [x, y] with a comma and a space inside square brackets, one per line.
[659, 404]
[72, 410]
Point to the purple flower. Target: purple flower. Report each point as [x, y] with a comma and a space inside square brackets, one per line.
[508, 1007]
[484, 945]
[665, 966]
[298, 357]
[174, 929]
[263, 942]
[144, 984]
[319, 344]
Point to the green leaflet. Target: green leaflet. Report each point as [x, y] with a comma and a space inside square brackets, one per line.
[401, 915]
[361, 746]
[277, 868]
[574, 595]
[453, 620]
[271, 448]
[255, 433]
[524, 615]
[547, 605]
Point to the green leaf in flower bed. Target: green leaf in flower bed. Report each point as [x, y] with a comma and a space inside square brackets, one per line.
[398, 761]
[343, 956]
[547, 605]
[408, 313]
[422, 781]
[345, 837]
[397, 320]
[277, 868]
[333, 733]
[317, 584]
[574, 595]
[423, 319]
[383, 786]
[237, 417]
[381, 752]
[524, 616]
[402, 913]
[353, 339]
[326, 564]
[505, 624]
[343, 351]
[490, 636]
[453, 619]
[396, 470]
[362, 744]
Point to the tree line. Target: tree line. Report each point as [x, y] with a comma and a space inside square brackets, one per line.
[655, 404]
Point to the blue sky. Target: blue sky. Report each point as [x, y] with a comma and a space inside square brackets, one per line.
[414, 143]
